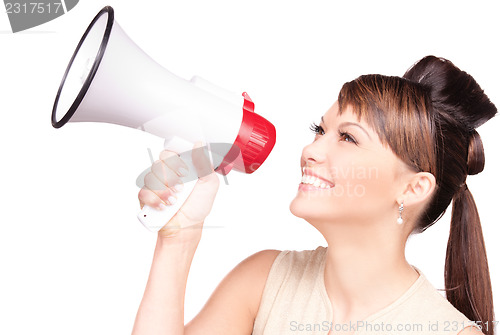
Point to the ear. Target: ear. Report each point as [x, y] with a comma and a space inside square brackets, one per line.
[419, 188]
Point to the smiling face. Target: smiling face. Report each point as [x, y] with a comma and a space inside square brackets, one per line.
[348, 175]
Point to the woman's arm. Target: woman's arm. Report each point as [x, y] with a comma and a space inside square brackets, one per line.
[162, 308]
[231, 309]
[161, 311]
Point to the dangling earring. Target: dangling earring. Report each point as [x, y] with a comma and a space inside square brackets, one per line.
[400, 219]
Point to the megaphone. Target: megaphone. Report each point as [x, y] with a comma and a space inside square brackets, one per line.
[110, 79]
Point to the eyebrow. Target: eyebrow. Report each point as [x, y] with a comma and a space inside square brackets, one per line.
[352, 124]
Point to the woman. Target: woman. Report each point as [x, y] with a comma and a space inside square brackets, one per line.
[387, 159]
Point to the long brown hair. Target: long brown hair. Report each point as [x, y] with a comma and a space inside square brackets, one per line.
[428, 118]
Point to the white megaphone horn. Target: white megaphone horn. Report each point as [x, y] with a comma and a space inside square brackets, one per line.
[110, 79]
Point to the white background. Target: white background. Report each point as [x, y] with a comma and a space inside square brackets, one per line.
[73, 257]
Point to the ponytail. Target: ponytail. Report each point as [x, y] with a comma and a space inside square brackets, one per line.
[467, 276]
[460, 106]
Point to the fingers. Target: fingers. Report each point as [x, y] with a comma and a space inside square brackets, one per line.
[164, 180]
[163, 176]
[148, 197]
[174, 162]
[164, 193]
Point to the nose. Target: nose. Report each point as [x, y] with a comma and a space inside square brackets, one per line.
[314, 153]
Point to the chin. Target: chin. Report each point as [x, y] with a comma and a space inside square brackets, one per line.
[317, 212]
[307, 209]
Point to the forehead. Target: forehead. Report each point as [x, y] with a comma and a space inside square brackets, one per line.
[333, 115]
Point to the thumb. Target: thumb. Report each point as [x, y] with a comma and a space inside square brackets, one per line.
[201, 161]
[200, 201]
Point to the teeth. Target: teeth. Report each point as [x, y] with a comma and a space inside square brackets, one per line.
[311, 180]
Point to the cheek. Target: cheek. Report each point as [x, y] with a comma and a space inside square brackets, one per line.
[371, 182]
[362, 179]
[361, 182]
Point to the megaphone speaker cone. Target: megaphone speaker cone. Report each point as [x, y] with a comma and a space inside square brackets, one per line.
[82, 67]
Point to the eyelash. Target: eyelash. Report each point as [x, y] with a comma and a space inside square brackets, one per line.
[318, 130]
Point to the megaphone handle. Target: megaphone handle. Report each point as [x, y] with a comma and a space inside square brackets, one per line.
[154, 219]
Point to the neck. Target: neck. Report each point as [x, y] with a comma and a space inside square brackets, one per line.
[365, 268]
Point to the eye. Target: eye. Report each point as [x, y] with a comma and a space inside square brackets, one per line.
[318, 130]
[346, 137]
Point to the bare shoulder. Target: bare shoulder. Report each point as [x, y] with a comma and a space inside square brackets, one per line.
[253, 271]
[256, 266]
[471, 331]
[233, 306]
[259, 264]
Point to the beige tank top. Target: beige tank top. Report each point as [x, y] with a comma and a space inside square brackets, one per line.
[295, 301]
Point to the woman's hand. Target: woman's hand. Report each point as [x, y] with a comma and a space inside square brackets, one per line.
[160, 190]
